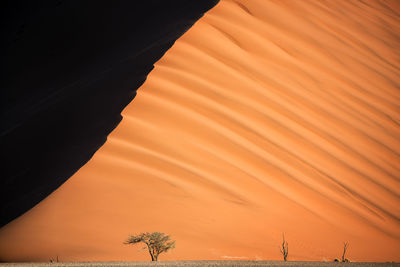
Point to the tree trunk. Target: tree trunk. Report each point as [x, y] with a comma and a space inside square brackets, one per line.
[151, 253]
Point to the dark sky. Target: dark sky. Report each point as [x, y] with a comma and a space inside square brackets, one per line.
[68, 70]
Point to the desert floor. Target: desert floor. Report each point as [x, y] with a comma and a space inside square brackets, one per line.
[209, 263]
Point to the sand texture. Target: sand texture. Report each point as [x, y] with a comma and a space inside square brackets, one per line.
[265, 117]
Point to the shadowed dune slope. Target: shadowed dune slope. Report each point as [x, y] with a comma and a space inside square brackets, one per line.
[68, 70]
[265, 117]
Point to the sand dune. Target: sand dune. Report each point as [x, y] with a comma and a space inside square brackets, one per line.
[265, 117]
[97, 62]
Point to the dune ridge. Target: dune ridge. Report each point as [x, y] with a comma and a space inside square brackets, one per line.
[265, 117]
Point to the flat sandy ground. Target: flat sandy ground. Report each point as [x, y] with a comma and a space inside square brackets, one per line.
[209, 263]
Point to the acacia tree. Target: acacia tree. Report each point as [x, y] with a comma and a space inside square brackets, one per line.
[156, 243]
[285, 248]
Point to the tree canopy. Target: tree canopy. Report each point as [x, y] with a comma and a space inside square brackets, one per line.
[156, 243]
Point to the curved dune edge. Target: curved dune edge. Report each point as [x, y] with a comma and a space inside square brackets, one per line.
[265, 117]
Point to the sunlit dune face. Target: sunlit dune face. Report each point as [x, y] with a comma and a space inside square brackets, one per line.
[266, 117]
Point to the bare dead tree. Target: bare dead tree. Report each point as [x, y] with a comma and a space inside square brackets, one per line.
[156, 243]
[52, 260]
[345, 245]
[285, 248]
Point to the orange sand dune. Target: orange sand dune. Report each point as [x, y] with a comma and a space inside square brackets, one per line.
[265, 117]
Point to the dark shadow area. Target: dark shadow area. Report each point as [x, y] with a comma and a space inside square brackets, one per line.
[68, 70]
